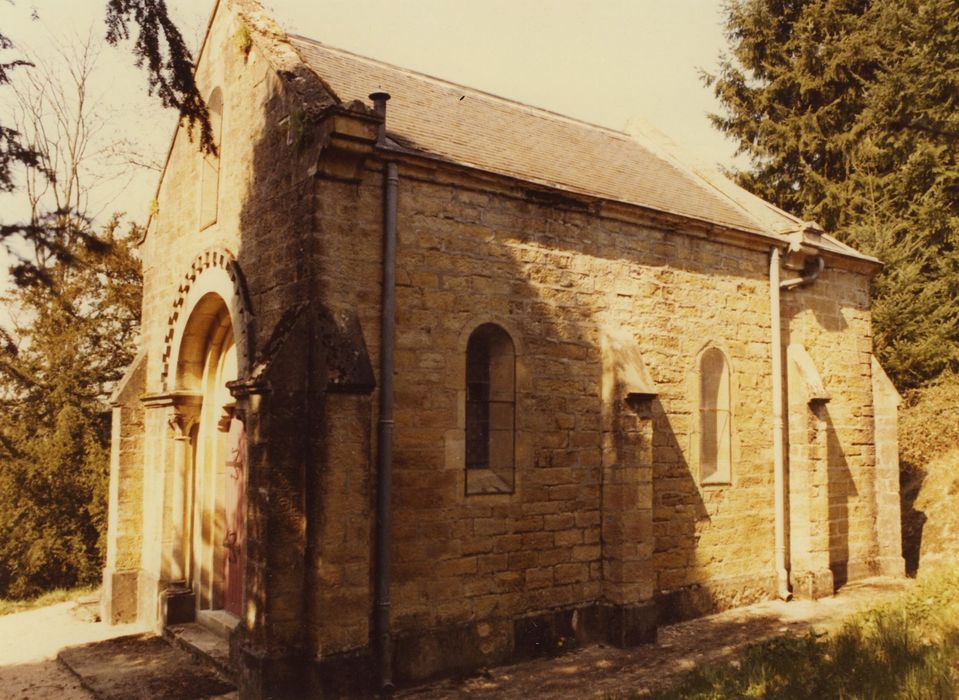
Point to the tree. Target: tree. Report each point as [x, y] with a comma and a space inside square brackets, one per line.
[847, 111]
[78, 295]
[160, 50]
[159, 47]
[56, 368]
[78, 302]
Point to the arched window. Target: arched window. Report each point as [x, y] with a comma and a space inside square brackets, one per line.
[210, 174]
[715, 434]
[490, 410]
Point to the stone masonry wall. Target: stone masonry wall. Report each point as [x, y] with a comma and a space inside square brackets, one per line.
[256, 198]
[888, 516]
[831, 319]
[340, 568]
[263, 213]
[557, 277]
[124, 532]
[561, 275]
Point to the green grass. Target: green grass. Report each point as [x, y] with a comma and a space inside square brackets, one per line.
[907, 647]
[58, 595]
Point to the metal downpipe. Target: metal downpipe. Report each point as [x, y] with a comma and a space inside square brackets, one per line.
[384, 467]
[807, 277]
[779, 461]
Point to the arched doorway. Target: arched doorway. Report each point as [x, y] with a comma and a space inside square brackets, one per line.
[215, 474]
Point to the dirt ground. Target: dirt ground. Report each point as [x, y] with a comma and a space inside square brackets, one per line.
[607, 672]
[30, 641]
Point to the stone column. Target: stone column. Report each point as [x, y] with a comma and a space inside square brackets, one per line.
[173, 466]
[810, 574]
[627, 524]
[182, 421]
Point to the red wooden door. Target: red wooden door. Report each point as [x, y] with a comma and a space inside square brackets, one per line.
[235, 532]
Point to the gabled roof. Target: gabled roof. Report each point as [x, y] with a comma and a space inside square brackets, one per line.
[480, 130]
[458, 124]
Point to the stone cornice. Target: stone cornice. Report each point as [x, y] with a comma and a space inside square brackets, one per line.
[428, 168]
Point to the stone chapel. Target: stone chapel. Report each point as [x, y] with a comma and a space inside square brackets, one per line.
[431, 380]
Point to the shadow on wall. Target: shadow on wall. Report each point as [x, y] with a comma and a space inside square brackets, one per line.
[678, 510]
[462, 254]
[841, 489]
[279, 403]
[566, 260]
[911, 479]
[644, 281]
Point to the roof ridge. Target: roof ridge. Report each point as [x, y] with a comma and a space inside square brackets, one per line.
[467, 88]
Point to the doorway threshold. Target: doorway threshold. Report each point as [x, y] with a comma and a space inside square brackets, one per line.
[219, 622]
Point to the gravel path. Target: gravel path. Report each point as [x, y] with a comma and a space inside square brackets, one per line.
[29, 642]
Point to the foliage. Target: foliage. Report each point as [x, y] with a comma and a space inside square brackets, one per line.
[12, 152]
[56, 370]
[929, 481]
[929, 421]
[847, 110]
[243, 40]
[159, 48]
[58, 595]
[904, 648]
[75, 312]
[169, 69]
[78, 296]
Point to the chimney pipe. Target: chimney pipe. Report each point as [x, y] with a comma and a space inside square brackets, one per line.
[379, 107]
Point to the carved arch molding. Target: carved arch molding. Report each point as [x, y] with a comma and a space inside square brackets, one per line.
[216, 271]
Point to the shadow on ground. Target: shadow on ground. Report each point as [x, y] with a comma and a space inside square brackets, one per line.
[142, 666]
[911, 478]
[605, 672]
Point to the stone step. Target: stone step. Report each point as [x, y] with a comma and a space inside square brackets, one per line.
[204, 645]
[219, 622]
[144, 665]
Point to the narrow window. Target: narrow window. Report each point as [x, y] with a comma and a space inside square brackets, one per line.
[210, 174]
[714, 424]
[490, 410]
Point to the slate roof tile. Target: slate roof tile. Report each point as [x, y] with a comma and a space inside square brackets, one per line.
[476, 129]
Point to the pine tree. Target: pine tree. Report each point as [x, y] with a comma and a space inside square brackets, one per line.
[847, 110]
[57, 368]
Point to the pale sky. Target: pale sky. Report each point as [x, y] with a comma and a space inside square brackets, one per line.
[604, 61]
[616, 63]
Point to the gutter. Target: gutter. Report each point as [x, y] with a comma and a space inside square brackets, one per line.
[799, 254]
[384, 466]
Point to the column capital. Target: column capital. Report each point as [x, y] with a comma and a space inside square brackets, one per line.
[179, 397]
[185, 413]
[182, 419]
